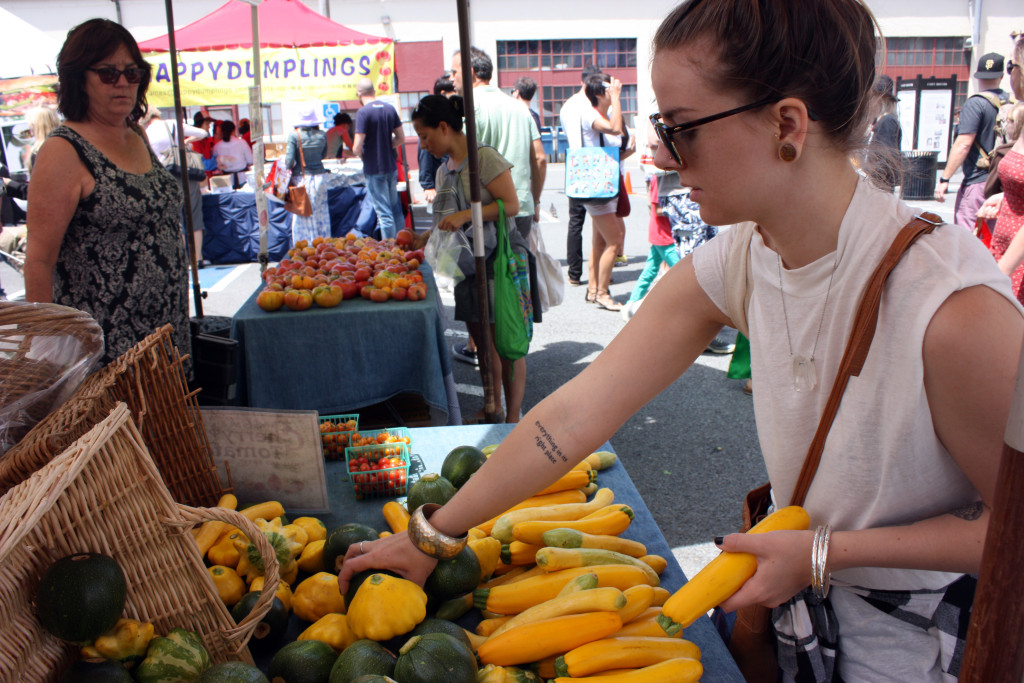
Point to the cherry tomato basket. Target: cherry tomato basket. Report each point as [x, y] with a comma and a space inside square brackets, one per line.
[378, 471]
[336, 434]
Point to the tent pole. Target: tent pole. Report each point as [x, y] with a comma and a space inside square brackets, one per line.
[491, 405]
[997, 618]
[256, 125]
[190, 238]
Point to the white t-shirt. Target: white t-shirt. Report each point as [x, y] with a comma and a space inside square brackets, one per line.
[883, 464]
[235, 155]
[569, 116]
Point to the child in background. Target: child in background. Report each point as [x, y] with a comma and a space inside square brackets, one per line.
[663, 247]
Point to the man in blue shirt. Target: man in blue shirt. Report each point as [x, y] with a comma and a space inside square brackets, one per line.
[378, 133]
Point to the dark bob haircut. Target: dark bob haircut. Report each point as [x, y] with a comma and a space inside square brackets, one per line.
[87, 44]
[433, 109]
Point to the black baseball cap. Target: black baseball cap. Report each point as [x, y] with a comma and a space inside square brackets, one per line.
[990, 66]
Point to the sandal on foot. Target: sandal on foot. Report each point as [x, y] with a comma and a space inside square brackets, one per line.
[591, 296]
[606, 302]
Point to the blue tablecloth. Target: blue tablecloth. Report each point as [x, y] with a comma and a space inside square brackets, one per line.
[232, 233]
[430, 445]
[337, 360]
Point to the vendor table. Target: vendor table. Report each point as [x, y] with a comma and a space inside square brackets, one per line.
[337, 360]
[430, 445]
[232, 234]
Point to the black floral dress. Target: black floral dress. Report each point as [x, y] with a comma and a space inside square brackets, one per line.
[123, 257]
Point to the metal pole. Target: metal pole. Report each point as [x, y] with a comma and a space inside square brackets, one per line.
[256, 125]
[997, 617]
[491, 407]
[190, 239]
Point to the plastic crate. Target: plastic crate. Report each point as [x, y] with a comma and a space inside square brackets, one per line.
[389, 482]
[335, 441]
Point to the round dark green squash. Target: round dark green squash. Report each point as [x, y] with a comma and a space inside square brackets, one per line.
[232, 672]
[435, 625]
[303, 661]
[81, 596]
[435, 657]
[341, 538]
[361, 658]
[96, 671]
[272, 626]
[431, 488]
[453, 577]
[461, 463]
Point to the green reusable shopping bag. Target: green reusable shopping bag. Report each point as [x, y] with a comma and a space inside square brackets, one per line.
[513, 319]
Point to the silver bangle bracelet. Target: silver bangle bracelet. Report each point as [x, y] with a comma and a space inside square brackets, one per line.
[428, 539]
[820, 579]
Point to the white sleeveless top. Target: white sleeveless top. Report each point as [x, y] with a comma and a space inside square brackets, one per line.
[883, 464]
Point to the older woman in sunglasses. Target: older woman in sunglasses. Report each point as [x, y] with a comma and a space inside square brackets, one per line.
[760, 116]
[104, 214]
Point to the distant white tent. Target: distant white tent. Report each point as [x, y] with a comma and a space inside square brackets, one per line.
[27, 51]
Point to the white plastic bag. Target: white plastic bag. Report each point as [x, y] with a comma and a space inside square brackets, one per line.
[443, 251]
[550, 285]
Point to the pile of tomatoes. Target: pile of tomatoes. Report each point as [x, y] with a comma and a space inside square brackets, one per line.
[383, 436]
[329, 270]
[336, 437]
[381, 473]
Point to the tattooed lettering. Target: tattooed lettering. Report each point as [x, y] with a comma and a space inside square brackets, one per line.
[969, 512]
[546, 443]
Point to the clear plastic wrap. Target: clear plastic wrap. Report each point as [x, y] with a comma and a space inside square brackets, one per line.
[444, 252]
[46, 351]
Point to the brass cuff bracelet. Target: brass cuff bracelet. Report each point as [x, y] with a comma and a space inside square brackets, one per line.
[428, 539]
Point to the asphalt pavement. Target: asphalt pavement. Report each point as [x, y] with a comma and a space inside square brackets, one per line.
[692, 451]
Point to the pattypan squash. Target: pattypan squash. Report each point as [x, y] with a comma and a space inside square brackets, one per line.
[317, 596]
[331, 629]
[385, 607]
[126, 642]
[286, 546]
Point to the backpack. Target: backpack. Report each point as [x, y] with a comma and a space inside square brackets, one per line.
[1003, 110]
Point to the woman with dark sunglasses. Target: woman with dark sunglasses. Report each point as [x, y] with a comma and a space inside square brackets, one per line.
[900, 502]
[103, 213]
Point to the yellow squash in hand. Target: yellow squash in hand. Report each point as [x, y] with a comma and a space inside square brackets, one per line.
[724, 575]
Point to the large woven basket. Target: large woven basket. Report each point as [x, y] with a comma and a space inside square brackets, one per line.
[45, 352]
[150, 379]
[104, 494]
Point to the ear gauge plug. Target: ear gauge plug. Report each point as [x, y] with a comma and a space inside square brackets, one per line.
[787, 152]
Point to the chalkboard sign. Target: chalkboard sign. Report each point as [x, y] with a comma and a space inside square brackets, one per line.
[273, 455]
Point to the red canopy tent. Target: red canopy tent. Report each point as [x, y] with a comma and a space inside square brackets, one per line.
[283, 23]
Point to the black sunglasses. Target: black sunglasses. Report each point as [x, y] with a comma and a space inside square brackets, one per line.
[1010, 66]
[667, 133]
[109, 75]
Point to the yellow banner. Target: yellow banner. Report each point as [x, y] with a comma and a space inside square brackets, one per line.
[289, 74]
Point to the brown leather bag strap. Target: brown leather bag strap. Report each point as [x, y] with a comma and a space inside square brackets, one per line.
[864, 324]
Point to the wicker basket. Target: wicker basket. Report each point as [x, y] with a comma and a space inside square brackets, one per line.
[150, 379]
[104, 494]
[45, 351]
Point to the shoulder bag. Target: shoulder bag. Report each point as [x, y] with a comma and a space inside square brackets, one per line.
[298, 199]
[592, 173]
[752, 643]
[992, 184]
[169, 159]
[513, 308]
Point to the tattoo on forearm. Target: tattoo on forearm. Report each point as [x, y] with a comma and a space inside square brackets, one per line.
[546, 443]
[969, 512]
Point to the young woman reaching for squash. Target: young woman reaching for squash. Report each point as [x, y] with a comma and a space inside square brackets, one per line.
[909, 470]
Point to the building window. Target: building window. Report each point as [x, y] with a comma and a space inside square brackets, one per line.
[908, 58]
[559, 55]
